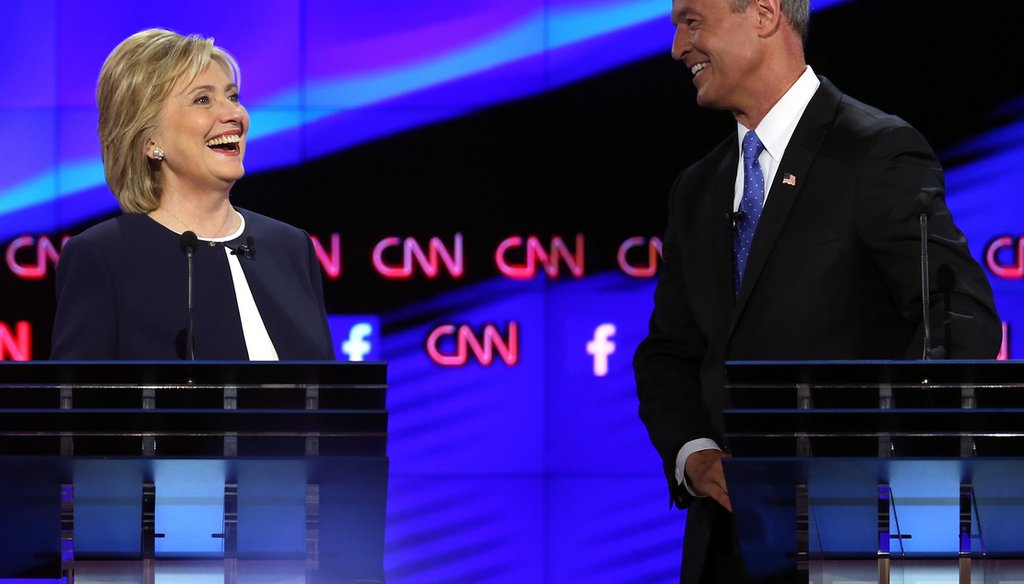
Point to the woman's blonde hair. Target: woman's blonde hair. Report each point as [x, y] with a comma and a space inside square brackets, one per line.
[136, 79]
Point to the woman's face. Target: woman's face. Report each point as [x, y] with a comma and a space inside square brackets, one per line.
[202, 133]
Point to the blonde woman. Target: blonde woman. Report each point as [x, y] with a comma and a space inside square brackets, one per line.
[172, 131]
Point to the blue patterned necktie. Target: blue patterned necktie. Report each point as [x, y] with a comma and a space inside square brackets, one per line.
[753, 202]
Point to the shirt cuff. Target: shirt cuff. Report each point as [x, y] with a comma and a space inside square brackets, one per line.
[684, 453]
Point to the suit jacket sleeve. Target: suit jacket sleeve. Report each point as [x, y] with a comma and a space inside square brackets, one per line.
[898, 165]
[668, 362]
[316, 281]
[84, 325]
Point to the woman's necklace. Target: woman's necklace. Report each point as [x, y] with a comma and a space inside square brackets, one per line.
[189, 227]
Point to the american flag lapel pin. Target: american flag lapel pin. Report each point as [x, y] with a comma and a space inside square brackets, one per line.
[789, 179]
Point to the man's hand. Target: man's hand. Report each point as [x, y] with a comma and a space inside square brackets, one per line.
[704, 470]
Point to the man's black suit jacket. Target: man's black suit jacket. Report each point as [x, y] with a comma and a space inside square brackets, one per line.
[833, 273]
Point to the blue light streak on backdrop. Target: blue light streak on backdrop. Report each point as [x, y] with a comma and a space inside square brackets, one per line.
[488, 55]
[336, 76]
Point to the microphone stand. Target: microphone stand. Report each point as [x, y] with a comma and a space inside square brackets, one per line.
[925, 201]
[188, 243]
[190, 348]
[925, 292]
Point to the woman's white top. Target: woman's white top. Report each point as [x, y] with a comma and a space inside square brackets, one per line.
[257, 340]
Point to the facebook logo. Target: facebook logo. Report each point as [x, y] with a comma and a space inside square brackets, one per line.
[356, 345]
[600, 346]
[356, 337]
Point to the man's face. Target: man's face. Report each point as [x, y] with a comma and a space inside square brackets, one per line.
[720, 49]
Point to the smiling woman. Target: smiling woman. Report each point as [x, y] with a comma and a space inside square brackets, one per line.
[172, 132]
[201, 135]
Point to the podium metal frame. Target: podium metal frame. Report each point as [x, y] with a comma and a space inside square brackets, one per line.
[329, 417]
[816, 447]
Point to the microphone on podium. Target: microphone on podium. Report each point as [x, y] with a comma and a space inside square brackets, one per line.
[925, 204]
[188, 243]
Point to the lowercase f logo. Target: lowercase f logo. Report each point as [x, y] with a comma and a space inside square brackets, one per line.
[601, 346]
[356, 337]
[356, 346]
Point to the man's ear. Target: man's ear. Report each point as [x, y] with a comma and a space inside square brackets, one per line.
[769, 17]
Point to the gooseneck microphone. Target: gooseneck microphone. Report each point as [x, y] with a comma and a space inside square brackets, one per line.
[925, 202]
[248, 250]
[188, 243]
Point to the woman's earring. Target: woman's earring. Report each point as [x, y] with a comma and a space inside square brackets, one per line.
[158, 153]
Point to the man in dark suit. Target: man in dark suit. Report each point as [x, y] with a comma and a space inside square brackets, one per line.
[796, 238]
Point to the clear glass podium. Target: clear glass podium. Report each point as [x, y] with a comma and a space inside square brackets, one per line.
[878, 471]
[192, 472]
